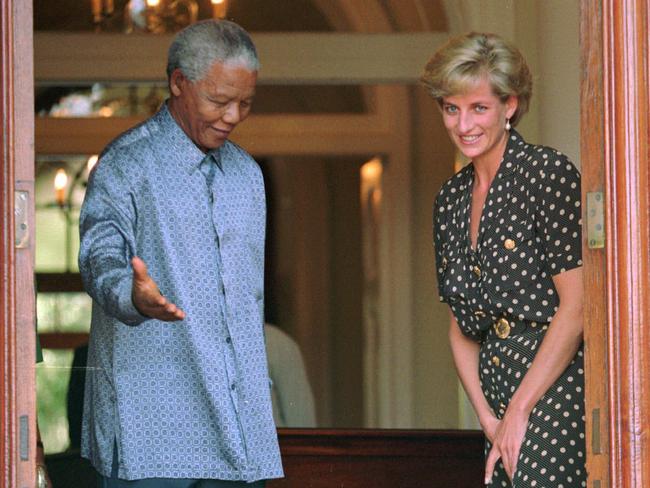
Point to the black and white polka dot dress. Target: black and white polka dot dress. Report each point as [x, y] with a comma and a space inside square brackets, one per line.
[502, 295]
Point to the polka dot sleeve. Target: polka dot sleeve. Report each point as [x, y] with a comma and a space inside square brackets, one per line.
[558, 211]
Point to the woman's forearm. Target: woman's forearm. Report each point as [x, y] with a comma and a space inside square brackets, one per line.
[559, 347]
[466, 358]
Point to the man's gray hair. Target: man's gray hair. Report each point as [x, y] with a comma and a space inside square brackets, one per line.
[197, 47]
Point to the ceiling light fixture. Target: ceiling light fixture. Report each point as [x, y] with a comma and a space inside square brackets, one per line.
[153, 16]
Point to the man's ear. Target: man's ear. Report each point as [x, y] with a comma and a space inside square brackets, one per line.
[176, 81]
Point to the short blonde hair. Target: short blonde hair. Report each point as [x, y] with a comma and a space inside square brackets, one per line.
[463, 61]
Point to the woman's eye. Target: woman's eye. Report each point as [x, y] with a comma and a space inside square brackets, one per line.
[450, 109]
[481, 108]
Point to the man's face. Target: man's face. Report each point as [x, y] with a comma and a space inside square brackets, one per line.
[210, 108]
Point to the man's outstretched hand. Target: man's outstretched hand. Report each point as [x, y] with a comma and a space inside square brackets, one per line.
[147, 297]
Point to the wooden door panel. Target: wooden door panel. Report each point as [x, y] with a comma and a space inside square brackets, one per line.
[593, 180]
[17, 356]
[615, 107]
[626, 84]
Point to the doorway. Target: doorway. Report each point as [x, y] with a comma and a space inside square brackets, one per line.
[613, 143]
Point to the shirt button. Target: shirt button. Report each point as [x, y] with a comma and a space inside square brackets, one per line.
[477, 271]
[211, 198]
[232, 387]
[479, 313]
[502, 328]
[228, 340]
[496, 361]
[509, 244]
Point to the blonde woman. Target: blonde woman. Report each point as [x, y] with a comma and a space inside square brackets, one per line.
[507, 234]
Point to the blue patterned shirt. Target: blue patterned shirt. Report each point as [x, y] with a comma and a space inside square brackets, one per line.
[186, 399]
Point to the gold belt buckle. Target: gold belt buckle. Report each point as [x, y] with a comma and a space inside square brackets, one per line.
[502, 328]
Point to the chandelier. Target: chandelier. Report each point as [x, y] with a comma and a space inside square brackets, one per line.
[154, 16]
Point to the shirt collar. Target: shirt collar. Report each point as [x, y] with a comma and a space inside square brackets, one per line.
[178, 148]
[512, 155]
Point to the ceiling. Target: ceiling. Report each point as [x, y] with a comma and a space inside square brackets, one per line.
[266, 15]
[253, 15]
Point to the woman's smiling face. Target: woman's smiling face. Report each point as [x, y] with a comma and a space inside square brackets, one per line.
[476, 122]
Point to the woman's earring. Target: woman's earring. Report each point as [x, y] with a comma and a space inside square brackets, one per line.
[508, 126]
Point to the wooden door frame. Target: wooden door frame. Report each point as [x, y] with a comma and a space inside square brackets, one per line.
[17, 356]
[614, 115]
[614, 145]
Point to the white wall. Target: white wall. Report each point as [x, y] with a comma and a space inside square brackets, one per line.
[559, 86]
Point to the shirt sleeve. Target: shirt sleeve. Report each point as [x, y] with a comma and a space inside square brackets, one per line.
[107, 241]
[558, 216]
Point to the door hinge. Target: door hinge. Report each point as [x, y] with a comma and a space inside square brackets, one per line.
[21, 213]
[595, 220]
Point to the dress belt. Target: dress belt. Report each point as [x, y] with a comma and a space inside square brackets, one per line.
[504, 328]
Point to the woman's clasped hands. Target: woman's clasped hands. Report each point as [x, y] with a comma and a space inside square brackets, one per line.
[506, 436]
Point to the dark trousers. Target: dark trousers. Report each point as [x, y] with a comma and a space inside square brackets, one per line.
[115, 482]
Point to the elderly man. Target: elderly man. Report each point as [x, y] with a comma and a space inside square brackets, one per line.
[172, 249]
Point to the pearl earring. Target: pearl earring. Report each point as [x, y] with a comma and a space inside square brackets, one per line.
[508, 126]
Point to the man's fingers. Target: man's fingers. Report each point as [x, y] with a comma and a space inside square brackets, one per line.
[177, 314]
[167, 312]
[492, 459]
[173, 316]
[162, 309]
